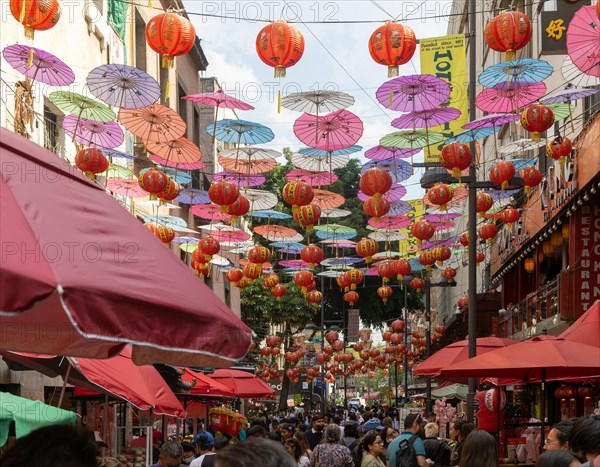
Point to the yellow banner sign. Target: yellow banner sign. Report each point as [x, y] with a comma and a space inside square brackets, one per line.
[445, 58]
[408, 247]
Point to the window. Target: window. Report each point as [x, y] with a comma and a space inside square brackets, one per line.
[140, 42]
[50, 130]
[183, 109]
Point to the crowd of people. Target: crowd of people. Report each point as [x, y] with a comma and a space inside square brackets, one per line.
[360, 439]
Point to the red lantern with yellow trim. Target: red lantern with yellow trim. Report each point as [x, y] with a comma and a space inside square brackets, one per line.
[303, 280]
[209, 246]
[385, 271]
[356, 278]
[375, 182]
[422, 231]
[487, 232]
[510, 215]
[384, 292]
[223, 193]
[502, 173]
[278, 291]
[198, 256]
[271, 281]
[35, 15]
[170, 192]
[258, 254]
[202, 269]
[343, 281]
[392, 45]
[351, 298]
[462, 303]
[170, 35]
[508, 32]
[164, 233]
[297, 193]
[280, 45]
[153, 181]
[252, 271]
[532, 177]
[418, 284]
[464, 239]
[238, 208]
[401, 268]
[366, 248]
[456, 157]
[312, 255]
[483, 203]
[536, 119]
[440, 195]
[442, 253]
[91, 161]
[559, 148]
[376, 207]
[308, 215]
[480, 257]
[449, 274]
[427, 259]
[315, 297]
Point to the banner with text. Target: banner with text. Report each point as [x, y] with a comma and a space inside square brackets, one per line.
[445, 58]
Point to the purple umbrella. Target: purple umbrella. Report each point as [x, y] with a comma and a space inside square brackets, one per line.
[240, 179]
[193, 196]
[567, 95]
[393, 194]
[43, 67]
[433, 243]
[492, 120]
[289, 251]
[101, 135]
[198, 165]
[293, 263]
[426, 118]
[501, 194]
[398, 170]
[399, 208]
[413, 93]
[123, 86]
[383, 153]
[440, 217]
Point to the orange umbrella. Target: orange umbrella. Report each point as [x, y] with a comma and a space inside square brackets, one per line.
[276, 233]
[247, 166]
[327, 199]
[155, 123]
[176, 151]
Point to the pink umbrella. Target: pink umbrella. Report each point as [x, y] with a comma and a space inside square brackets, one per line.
[293, 263]
[339, 243]
[312, 178]
[382, 153]
[198, 165]
[209, 211]
[101, 135]
[441, 217]
[391, 222]
[413, 93]
[229, 236]
[426, 118]
[126, 187]
[114, 285]
[240, 179]
[583, 40]
[507, 99]
[337, 130]
[438, 226]
[392, 195]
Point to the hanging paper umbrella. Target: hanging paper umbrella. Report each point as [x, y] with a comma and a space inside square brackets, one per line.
[339, 243]
[312, 178]
[521, 72]
[250, 153]
[229, 236]
[497, 119]
[240, 132]
[520, 146]
[117, 171]
[471, 135]
[247, 167]
[509, 98]
[44, 67]
[439, 226]
[81, 106]
[522, 163]
[568, 95]
[293, 263]
[383, 153]
[289, 251]
[338, 152]
[260, 200]
[123, 86]
[426, 118]
[335, 229]
[156, 123]
[176, 223]
[440, 217]
[387, 236]
[186, 239]
[198, 165]
[114, 153]
[335, 235]
[192, 196]
[240, 179]
[499, 194]
[319, 163]
[101, 135]
[271, 214]
[317, 102]
[210, 212]
[387, 254]
[180, 177]
[287, 244]
[391, 222]
[340, 129]
[560, 111]
[129, 187]
[398, 170]
[575, 77]
[392, 195]
[411, 139]
[346, 261]
[177, 151]
[334, 213]
[327, 199]
[583, 40]
[413, 93]
[187, 247]
[399, 208]
[276, 233]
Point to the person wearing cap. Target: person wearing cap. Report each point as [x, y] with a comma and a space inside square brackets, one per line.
[372, 424]
[412, 427]
[315, 434]
[287, 432]
[204, 442]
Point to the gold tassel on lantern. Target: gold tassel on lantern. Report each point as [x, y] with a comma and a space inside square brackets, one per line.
[167, 90]
[279, 72]
[168, 61]
[150, 4]
[510, 55]
[279, 102]
[393, 70]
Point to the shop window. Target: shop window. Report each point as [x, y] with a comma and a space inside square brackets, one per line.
[51, 128]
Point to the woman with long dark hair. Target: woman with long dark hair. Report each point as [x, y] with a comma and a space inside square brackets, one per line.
[479, 449]
[371, 449]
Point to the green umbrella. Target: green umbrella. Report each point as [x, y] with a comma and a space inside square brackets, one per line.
[411, 139]
[29, 415]
[336, 228]
[117, 171]
[453, 391]
[188, 247]
[82, 106]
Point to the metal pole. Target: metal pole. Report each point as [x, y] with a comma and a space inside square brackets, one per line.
[322, 373]
[405, 341]
[428, 407]
[472, 294]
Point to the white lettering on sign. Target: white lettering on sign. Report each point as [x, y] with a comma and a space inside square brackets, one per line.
[589, 255]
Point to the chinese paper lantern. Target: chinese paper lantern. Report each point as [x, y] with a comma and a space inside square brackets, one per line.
[91, 161]
[280, 45]
[170, 192]
[278, 291]
[556, 239]
[202, 269]
[440, 195]
[384, 292]
[223, 193]
[153, 181]
[315, 297]
[442, 253]
[547, 248]
[422, 231]
[456, 157]
[401, 268]
[427, 259]
[487, 232]
[418, 284]
[449, 274]
[559, 148]
[483, 203]
[312, 255]
[238, 208]
[375, 182]
[209, 246]
[258, 254]
[508, 32]
[532, 177]
[464, 239]
[529, 265]
[462, 303]
[304, 279]
[536, 119]
[356, 277]
[35, 15]
[271, 281]
[164, 233]
[198, 256]
[385, 271]
[392, 45]
[252, 270]
[297, 194]
[351, 298]
[308, 215]
[366, 248]
[344, 282]
[376, 207]
[510, 215]
[502, 173]
[170, 35]
[480, 257]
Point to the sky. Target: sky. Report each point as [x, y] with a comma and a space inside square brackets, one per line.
[336, 57]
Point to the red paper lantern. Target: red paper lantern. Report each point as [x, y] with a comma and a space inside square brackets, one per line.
[297, 193]
[510, 215]
[384, 292]
[427, 259]
[315, 297]
[223, 193]
[272, 340]
[397, 325]
[385, 271]
[344, 282]
[35, 15]
[153, 181]
[202, 269]
[351, 297]
[508, 32]
[536, 119]
[464, 239]
[278, 291]
[376, 207]
[209, 246]
[559, 148]
[440, 195]
[280, 45]
[198, 256]
[308, 215]
[502, 173]
[392, 45]
[463, 303]
[442, 253]
[91, 161]
[488, 232]
[401, 268]
[164, 233]
[532, 177]
[304, 279]
[234, 275]
[366, 248]
[483, 203]
[258, 254]
[375, 182]
[238, 208]
[456, 157]
[422, 231]
[271, 281]
[355, 277]
[170, 35]
[449, 274]
[252, 270]
[312, 255]
[170, 192]
[418, 284]
[480, 257]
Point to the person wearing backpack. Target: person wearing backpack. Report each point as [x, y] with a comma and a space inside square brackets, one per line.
[408, 450]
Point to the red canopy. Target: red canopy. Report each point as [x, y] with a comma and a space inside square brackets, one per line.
[244, 384]
[204, 384]
[82, 277]
[586, 330]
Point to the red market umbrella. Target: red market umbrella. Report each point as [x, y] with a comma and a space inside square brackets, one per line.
[586, 330]
[204, 384]
[96, 275]
[583, 40]
[244, 385]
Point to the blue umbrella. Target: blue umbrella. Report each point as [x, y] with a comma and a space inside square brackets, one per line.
[522, 163]
[291, 245]
[240, 132]
[192, 196]
[331, 235]
[398, 169]
[115, 153]
[186, 239]
[180, 177]
[415, 266]
[174, 222]
[472, 135]
[338, 152]
[269, 214]
[524, 72]
[340, 261]
[399, 208]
